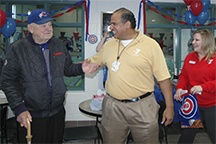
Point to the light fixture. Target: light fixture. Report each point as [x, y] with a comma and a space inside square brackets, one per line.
[29, 12]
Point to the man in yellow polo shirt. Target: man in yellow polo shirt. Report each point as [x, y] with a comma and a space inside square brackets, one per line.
[134, 61]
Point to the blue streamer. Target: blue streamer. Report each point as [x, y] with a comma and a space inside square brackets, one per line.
[168, 12]
[80, 2]
[158, 7]
[151, 3]
[88, 6]
[66, 7]
[9, 14]
[139, 15]
[212, 19]
[22, 14]
[53, 11]
[178, 16]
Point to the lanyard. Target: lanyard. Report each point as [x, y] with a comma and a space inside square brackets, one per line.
[119, 54]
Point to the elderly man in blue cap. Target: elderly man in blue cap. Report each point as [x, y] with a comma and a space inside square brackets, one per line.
[32, 80]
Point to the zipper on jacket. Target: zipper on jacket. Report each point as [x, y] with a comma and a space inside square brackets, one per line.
[46, 59]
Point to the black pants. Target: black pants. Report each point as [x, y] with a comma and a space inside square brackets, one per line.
[45, 130]
[208, 116]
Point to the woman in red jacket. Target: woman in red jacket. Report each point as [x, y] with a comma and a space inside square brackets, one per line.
[198, 76]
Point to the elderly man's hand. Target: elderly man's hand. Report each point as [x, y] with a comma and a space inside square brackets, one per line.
[22, 118]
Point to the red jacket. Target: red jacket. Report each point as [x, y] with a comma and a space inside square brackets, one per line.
[195, 72]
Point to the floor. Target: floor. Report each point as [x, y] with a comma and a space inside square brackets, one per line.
[173, 135]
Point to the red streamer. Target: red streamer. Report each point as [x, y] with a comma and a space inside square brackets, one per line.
[17, 21]
[70, 9]
[154, 10]
[211, 24]
[181, 22]
[58, 15]
[167, 17]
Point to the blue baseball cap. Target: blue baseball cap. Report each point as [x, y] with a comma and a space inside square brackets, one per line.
[39, 16]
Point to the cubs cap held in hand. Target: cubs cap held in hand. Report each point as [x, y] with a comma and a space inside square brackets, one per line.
[39, 16]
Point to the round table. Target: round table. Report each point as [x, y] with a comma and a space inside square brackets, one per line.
[85, 108]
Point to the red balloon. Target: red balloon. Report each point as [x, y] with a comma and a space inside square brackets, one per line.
[188, 2]
[196, 7]
[2, 18]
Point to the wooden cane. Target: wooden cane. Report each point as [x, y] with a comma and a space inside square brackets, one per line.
[28, 136]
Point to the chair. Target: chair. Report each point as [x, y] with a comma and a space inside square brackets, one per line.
[90, 132]
[12, 130]
[162, 128]
[73, 134]
[3, 127]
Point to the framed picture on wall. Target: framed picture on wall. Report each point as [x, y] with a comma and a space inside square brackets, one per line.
[105, 21]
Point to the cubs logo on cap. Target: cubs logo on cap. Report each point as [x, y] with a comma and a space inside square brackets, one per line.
[39, 16]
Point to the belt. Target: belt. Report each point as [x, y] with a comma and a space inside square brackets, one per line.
[135, 99]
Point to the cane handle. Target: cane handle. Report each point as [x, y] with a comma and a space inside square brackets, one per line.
[28, 136]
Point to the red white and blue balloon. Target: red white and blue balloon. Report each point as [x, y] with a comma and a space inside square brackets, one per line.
[197, 10]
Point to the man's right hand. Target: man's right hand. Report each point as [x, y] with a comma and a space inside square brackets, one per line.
[88, 67]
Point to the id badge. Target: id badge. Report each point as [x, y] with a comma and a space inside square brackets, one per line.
[115, 66]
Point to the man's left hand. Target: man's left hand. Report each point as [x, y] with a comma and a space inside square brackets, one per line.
[168, 116]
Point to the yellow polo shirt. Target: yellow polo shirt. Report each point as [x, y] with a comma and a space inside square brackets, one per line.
[138, 64]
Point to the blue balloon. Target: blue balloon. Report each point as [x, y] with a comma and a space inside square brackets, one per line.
[8, 28]
[206, 4]
[203, 17]
[189, 17]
